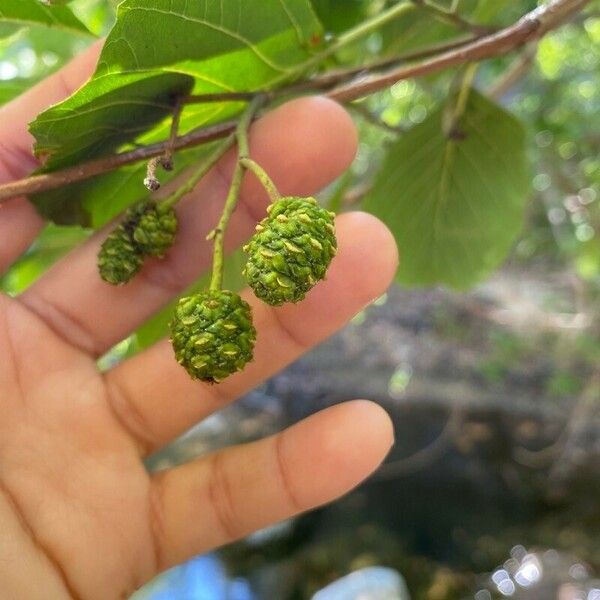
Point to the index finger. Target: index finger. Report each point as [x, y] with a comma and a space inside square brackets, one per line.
[19, 221]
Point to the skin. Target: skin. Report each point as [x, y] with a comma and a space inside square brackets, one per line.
[79, 515]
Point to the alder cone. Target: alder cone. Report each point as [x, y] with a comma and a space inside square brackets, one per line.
[213, 335]
[155, 231]
[119, 259]
[291, 250]
[146, 230]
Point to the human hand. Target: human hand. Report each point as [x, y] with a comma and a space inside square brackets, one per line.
[80, 517]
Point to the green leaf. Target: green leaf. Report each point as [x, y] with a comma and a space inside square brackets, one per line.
[160, 49]
[420, 28]
[339, 15]
[414, 30]
[455, 206]
[105, 114]
[33, 12]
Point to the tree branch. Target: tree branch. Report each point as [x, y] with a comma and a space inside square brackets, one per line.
[529, 28]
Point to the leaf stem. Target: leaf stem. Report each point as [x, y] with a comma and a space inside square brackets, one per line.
[218, 234]
[462, 98]
[262, 176]
[353, 35]
[453, 18]
[199, 173]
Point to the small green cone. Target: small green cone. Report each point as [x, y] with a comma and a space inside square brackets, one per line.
[156, 230]
[146, 230]
[119, 260]
[213, 335]
[291, 250]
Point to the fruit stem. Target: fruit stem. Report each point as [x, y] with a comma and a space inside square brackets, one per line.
[218, 234]
[205, 166]
[262, 176]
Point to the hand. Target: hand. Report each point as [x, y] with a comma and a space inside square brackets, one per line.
[79, 515]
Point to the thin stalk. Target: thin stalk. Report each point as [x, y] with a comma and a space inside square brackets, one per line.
[362, 30]
[453, 18]
[262, 176]
[465, 90]
[199, 173]
[218, 235]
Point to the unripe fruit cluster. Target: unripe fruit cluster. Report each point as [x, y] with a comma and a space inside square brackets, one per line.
[147, 230]
[212, 332]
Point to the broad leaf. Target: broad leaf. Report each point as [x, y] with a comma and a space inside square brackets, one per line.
[340, 15]
[104, 114]
[456, 205]
[33, 12]
[421, 28]
[203, 46]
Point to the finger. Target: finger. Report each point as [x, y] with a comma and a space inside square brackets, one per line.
[217, 499]
[303, 144]
[19, 221]
[155, 398]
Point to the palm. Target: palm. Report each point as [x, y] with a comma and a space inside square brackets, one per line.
[79, 515]
[69, 468]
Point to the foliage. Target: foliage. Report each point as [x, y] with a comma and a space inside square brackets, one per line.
[448, 199]
[456, 203]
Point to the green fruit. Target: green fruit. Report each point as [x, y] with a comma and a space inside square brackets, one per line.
[119, 259]
[146, 230]
[291, 250]
[155, 231]
[213, 335]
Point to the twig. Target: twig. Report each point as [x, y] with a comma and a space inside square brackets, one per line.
[452, 17]
[166, 160]
[529, 28]
[218, 234]
[199, 173]
[50, 181]
[373, 119]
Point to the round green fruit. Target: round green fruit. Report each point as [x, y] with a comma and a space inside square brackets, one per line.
[155, 231]
[213, 335]
[291, 250]
[119, 259]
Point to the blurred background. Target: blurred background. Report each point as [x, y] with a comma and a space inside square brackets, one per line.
[493, 487]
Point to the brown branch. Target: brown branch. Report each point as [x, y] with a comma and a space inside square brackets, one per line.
[51, 181]
[332, 78]
[530, 28]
